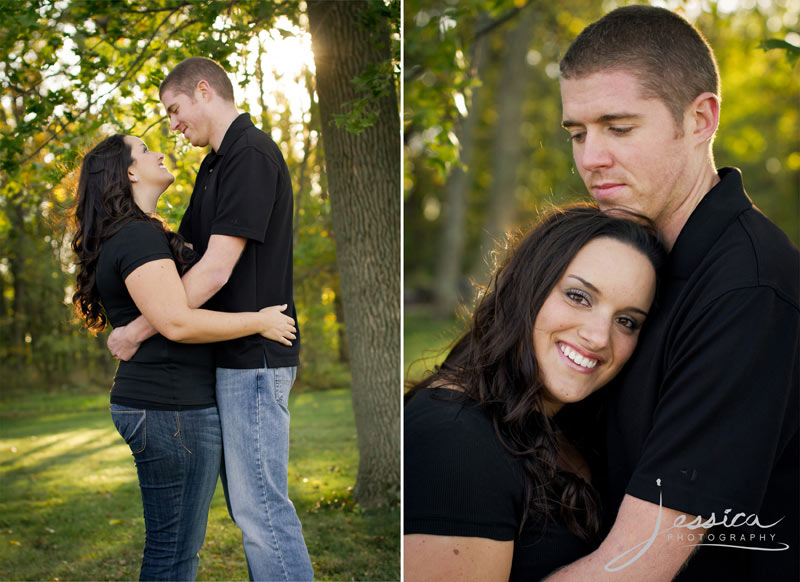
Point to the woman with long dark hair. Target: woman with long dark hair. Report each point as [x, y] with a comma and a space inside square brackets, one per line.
[493, 489]
[162, 400]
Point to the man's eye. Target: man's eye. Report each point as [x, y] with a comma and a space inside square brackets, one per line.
[621, 130]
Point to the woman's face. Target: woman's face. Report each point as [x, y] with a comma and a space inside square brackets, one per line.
[589, 324]
[147, 172]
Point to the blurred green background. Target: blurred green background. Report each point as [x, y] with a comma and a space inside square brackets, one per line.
[484, 149]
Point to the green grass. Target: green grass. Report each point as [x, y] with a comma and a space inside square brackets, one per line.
[426, 341]
[70, 507]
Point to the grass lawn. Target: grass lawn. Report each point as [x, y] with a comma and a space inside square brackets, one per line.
[70, 506]
[426, 340]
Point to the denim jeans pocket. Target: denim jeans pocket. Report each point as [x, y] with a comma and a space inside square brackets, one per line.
[283, 379]
[131, 425]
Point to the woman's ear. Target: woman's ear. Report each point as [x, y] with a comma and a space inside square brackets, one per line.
[132, 177]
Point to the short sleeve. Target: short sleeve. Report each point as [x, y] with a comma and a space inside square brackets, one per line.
[457, 478]
[246, 195]
[727, 406]
[139, 243]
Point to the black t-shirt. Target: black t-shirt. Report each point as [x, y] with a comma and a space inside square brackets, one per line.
[244, 190]
[162, 374]
[708, 405]
[458, 480]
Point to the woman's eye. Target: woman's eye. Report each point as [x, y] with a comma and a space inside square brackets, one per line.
[578, 296]
[628, 323]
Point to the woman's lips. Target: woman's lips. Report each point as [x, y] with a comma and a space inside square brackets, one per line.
[578, 359]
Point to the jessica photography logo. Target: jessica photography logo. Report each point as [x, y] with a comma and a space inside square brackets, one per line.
[683, 530]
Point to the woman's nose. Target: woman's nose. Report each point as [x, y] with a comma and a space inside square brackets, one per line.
[596, 332]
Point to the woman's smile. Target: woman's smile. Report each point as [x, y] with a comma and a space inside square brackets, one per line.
[577, 359]
[589, 324]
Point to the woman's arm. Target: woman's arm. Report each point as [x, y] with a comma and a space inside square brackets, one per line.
[429, 558]
[158, 292]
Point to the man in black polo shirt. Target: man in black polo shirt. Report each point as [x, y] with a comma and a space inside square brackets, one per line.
[702, 427]
[239, 220]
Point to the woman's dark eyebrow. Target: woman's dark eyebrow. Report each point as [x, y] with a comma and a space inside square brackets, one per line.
[585, 282]
[596, 290]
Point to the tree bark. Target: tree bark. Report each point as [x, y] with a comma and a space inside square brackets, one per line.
[363, 173]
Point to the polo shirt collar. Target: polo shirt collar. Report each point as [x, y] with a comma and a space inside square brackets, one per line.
[239, 125]
[718, 208]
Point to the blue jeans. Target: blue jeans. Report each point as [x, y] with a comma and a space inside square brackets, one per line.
[178, 457]
[255, 427]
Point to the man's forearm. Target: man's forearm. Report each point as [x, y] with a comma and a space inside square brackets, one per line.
[637, 548]
[202, 282]
[212, 271]
[140, 329]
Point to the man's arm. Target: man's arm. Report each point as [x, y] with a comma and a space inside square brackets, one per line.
[641, 528]
[201, 283]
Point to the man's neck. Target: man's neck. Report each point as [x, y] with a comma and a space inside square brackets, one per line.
[672, 223]
[222, 122]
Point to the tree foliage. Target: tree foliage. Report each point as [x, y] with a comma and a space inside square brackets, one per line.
[75, 71]
[456, 100]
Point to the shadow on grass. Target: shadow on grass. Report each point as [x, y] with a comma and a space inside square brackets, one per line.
[71, 508]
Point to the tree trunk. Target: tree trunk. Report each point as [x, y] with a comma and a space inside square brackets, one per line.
[16, 263]
[303, 179]
[452, 238]
[507, 142]
[363, 172]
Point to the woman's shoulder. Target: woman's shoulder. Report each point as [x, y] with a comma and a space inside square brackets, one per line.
[458, 478]
[445, 422]
[140, 228]
[444, 408]
[137, 234]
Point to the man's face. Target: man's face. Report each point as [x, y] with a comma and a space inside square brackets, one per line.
[188, 115]
[626, 148]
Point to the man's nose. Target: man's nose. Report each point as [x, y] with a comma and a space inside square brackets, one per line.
[594, 152]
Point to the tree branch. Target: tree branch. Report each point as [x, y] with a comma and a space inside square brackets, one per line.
[491, 25]
[416, 71]
[133, 68]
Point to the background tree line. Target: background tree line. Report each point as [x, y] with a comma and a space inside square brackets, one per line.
[74, 71]
[483, 146]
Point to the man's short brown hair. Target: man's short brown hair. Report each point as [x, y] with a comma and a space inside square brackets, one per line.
[183, 79]
[670, 57]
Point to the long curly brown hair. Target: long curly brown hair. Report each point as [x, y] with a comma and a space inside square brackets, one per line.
[103, 204]
[494, 362]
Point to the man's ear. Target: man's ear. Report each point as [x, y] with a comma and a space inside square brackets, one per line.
[704, 117]
[203, 91]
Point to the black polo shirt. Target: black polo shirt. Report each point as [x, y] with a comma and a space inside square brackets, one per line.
[244, 190]
[708, 405]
